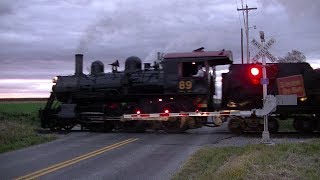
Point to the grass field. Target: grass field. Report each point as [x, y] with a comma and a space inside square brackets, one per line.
[282, 161]
[21, 107]
[18, 124]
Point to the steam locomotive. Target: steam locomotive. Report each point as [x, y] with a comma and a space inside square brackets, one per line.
[97, 101]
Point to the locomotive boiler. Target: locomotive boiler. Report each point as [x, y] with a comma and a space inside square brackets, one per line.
[98, 100]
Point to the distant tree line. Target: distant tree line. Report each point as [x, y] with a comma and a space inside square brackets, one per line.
[294, 56]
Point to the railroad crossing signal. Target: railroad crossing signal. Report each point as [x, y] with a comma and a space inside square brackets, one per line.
[264, 50]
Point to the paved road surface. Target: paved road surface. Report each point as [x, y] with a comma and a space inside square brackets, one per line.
[86, 155]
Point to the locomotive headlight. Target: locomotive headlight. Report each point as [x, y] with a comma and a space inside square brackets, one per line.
[232, 104]
[303, 99]
[55, 79]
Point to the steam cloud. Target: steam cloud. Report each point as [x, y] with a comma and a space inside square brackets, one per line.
[117, 22]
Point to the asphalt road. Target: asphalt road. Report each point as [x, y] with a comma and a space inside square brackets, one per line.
[87, 155]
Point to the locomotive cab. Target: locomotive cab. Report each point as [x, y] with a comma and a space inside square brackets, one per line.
[193, 74]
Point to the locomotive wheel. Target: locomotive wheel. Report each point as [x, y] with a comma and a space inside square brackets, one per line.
[273, 125]
[303, 124]
[174, 125]
[68, 127]
[94, 127]
[54, 125]
[66, 124]
[236, 125]
[317, 122]
[107, 126]
[254, 123]
[55, 128]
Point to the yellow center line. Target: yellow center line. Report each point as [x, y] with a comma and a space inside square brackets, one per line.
[75, 160]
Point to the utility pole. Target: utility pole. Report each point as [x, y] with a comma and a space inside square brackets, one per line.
[241, 46]
[247, 29]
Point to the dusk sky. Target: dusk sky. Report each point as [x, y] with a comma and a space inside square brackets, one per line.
[38, 38]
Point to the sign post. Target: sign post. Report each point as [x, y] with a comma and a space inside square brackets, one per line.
[264, 81]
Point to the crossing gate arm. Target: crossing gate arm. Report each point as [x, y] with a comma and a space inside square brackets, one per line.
[269, 106]
[166, 116]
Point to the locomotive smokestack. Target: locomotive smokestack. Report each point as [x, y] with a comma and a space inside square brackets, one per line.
[79, 64]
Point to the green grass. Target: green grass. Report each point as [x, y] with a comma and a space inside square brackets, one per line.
[21, 107]
[282, 161]
[18, 124]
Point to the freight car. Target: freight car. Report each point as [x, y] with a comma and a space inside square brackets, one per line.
[241, 89]
[98, 100]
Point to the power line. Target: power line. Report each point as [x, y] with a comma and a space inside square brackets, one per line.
[247, 28]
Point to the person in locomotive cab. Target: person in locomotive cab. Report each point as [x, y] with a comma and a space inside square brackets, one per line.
[200, 72]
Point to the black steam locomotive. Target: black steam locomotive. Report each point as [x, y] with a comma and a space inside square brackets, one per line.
[97, 101]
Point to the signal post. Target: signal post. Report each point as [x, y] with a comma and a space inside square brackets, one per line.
[264, 80]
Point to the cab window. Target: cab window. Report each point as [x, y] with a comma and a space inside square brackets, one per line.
[190, 69]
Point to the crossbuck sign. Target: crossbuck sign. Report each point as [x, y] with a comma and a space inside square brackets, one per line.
[263, 50]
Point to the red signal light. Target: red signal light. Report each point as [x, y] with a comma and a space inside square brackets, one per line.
[255, 74]
[166, 111]
[138, 112]
[255, 71]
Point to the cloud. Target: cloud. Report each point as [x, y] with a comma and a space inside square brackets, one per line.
[38, 39]
[5, 8]
[24, 88]
[297, 10]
